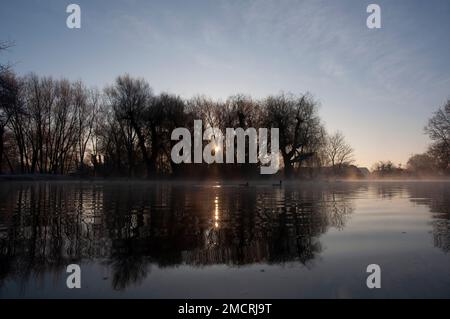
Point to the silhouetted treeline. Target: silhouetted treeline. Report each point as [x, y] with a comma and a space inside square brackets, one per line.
[53, 126]
[435, 161]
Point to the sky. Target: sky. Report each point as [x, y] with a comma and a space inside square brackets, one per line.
[377, 86]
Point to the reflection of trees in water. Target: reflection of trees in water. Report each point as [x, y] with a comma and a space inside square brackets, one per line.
[36, 234]
[46, 226]
[437, 197]
[389, 190]
[128, 268]
[434, 195]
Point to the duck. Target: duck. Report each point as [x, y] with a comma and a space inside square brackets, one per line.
[278, 184]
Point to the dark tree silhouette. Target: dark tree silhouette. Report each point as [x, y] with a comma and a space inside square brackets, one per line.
[337, 151]
[130, 100]
[301, 132]
[438, 129]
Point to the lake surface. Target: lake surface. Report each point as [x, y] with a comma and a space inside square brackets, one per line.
[212, 240]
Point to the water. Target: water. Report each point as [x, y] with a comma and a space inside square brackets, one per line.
[189, 240]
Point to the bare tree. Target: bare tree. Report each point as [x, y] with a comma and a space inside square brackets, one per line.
[205, 109]
[39, 98]
[421, 164]
[44, 122]
[9, 95]
[110, 142]
[18, 118]
[300, 129]
[86, 108]
[387, 169]
[4, 45]
[438, 129]
[169, 111]
[130, 99]
[338, 152]
[240, 111]
[99, 128]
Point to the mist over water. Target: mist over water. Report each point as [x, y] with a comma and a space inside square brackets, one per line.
[162, 240]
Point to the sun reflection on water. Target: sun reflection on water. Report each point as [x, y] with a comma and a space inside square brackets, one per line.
[216, 212]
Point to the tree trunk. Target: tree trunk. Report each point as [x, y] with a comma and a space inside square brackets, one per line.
[287, 166]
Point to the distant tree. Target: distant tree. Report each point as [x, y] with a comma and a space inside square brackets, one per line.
[110, 143]
[338, 152]
[86, 108]
[300, 129]
[205, 109]
[130, 99]
[240, 111]
[50, 121]
[58, 101]
[438, 129]
[166, 113]
[386, 169]
[99, 127]
[4, 45]
[13, 107]
[421, 164]
[9, 95]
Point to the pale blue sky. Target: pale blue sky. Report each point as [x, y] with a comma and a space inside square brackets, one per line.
[377, 86]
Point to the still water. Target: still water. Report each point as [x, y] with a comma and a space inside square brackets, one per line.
[212, 240]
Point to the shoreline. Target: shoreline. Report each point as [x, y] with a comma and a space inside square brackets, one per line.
[64, 178]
